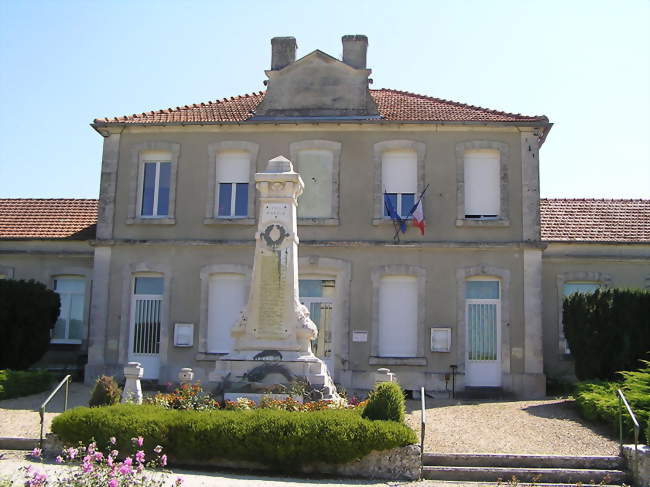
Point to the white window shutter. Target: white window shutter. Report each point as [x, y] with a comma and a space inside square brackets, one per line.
[226, 298]
[399, 171]
[482, 183]
[233, 167]
[315, 167]
[398, 316]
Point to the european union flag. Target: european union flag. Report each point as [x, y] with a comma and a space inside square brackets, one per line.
[393, 213]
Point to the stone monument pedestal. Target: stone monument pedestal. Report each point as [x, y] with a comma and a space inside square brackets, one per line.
[273, 336]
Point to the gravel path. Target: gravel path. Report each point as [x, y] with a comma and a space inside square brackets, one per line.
[538, 427]
[19, 416]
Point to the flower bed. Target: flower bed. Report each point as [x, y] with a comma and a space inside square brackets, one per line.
[283, 439]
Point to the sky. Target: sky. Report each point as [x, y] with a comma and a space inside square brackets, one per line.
[584, 64]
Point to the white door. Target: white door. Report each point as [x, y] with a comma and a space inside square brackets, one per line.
[146, 313]
[483, 334]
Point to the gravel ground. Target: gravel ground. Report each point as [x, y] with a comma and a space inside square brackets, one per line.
[550, 426]
[19, 417]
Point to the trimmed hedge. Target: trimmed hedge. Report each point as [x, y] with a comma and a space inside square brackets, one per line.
[597, 400]
[607, 331]
[280, 439]
[18, 383]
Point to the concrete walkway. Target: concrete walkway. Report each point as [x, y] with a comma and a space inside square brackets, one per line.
[11, 461]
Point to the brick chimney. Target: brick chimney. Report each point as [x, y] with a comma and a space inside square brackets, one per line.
[355, 48]
[283, 52]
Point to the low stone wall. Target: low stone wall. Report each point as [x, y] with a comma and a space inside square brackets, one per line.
[397, 464]
[638, 463]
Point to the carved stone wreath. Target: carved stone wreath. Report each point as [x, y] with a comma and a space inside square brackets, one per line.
[280, 234]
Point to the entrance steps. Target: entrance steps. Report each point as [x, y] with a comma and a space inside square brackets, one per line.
[543, 470]
[483, 393]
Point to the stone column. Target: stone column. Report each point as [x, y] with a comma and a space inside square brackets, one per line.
[274, 319]
[132, 389]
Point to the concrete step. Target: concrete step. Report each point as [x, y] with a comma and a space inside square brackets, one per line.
[10, 443]
[537, 475]
[522, 461]
[482, 393]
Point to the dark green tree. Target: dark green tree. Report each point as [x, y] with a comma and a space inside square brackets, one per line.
[28, 311]
[607, 331]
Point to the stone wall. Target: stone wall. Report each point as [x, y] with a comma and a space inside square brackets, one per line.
[638, 463]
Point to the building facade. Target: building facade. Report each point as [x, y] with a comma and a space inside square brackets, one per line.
[478, 293]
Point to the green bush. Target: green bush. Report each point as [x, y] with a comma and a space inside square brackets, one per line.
[105, 393]
[386, 402]
[17, 383]
[281, 439]
[28, 311]
[613, 322]
[597, 400]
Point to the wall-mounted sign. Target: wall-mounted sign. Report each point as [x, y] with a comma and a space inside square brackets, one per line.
[440, 339]
[183, 334]
[359, 336]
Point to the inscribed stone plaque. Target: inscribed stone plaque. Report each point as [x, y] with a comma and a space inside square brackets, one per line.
[275, 211]
[272, 297]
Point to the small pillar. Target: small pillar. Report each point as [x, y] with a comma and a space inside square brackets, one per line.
[186, 376]
[384, 375]
[132, 389]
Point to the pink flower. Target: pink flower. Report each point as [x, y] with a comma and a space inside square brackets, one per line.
[128, 461]
[112, 440]
[99, 456]
[86, 467]
[179, 481]
[72, 452]
[109, 461]
[36, 452]
[126, 469]
[140, 468]
[113, 483]
[140, 440]
[114, 453]
[92, 447]
[158, 449]
[59, 459]
[163, 460]
[139, 456]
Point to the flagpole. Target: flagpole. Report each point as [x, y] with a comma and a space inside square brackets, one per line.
[419, 199]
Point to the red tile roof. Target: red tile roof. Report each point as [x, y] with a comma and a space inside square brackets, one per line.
[595, 220]
[392, 105]
[563, 220]
[71, 219]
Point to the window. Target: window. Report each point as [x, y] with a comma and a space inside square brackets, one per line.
[226, 298]
[482, 184]
[398, 316]
[156, 184]
[318, 295]
[315, 167]
[399, 179]
[69, 326]
[232, 177]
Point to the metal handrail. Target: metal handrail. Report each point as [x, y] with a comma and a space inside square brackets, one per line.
[41, 411]
[622, 401]
[423, 420]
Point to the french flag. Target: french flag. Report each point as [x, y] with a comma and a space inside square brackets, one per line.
[418, 216]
